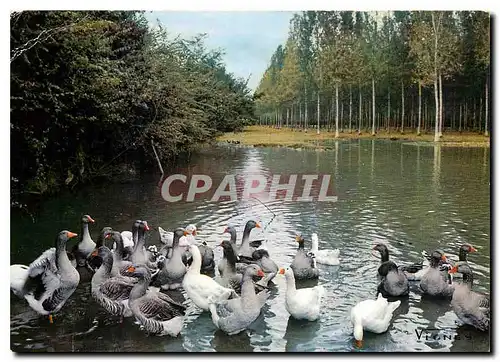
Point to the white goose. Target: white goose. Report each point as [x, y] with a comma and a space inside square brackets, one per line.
[200, 288]
[302, 303]
[373, 316]
[49, 281]
[325, 256]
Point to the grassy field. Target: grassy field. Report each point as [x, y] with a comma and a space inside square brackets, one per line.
[267, 136]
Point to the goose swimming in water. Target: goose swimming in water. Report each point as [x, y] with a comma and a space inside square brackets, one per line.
[49, 281]
[304, 303]
[235, 315]
[95, 261]
[416, 271]
[112, 293]
[246, 249]
[199, 287]
[471, 308]
[394, 282]
[84, 248]
[155, 311]
[324, 256]
[173, 271]
[373, 316]
[129, 240]
[304, 265]
[434, 282]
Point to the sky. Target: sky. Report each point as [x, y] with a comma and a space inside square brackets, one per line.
[248, 39]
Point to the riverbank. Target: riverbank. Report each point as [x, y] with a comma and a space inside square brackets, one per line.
[266, 137]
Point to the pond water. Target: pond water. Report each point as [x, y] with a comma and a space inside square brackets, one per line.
[410, 196]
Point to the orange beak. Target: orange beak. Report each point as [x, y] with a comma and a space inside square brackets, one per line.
[453, 270]
[107, 236]
[131, 269]
[71, 235]
[257, 225]
[472, 249]
[146, 227]
[194, 233]
[94, 253]
[260, 273]
[359, 344]
[90, 219]
[443, 258]
[186, 233]
[282, 271]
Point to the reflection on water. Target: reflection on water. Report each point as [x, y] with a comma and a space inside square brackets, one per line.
[409, 196]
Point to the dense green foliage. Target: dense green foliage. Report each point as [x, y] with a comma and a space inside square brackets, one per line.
[91, 90]
[391, 70]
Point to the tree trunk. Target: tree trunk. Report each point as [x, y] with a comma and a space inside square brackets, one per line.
[342, 117]
[388, 109]
[465, 117]
[436, 98]
[440, 106]
[460, 119]
[336, 110]
[373, 106]
[317, 129]
[305, 108]
[419, 108]
[402, 107]
[480, 122]
[360, 110]
[287, 116]
[350, 108]
[436, 90]
[486, 110]
[300, 114]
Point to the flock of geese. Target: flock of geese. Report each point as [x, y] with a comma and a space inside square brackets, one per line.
[130, 279]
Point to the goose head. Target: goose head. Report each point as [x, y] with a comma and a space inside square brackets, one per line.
[384, 252]
[464, 250]
[253, 270]
[63, 237]
[86, 219]
[288, 273]
[299, 239]
[143, 225]
[102, 235]
[259, 254]
[139, 272]
[116, 238]
[191, 229]
[231, 231]
[437, 257]
[251, 224]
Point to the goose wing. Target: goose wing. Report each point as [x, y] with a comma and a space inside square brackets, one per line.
[46, 261]
[116, 289]
[154, 307]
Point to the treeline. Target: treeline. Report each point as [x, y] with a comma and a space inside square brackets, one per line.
[91, 90]
[371, 71]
